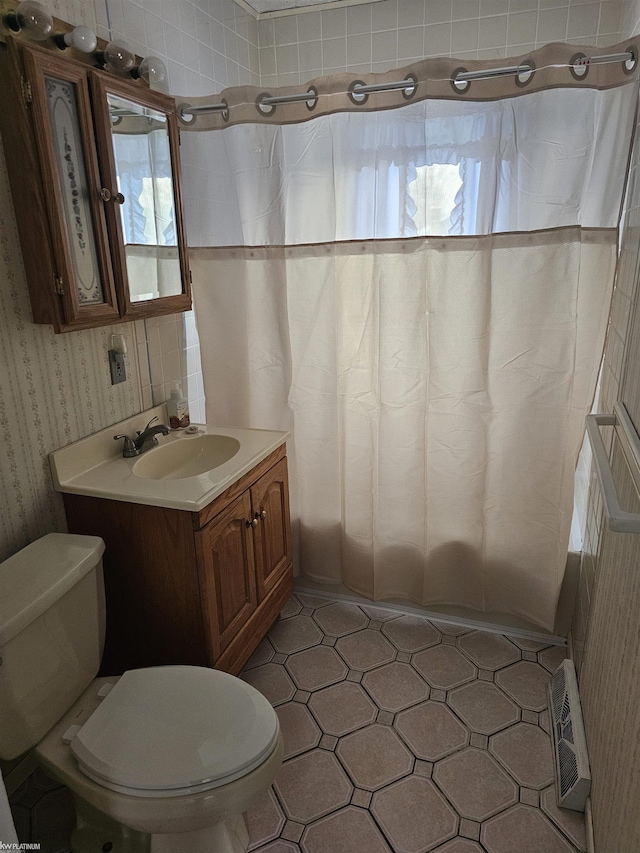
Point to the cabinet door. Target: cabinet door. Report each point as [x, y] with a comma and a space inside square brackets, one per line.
[272, 535]
[226, 571]
[63, 129]
[137, 136]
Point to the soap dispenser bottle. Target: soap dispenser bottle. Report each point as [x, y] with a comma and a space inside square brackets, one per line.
[178, 408]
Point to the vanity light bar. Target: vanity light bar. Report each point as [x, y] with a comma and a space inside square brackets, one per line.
[358, 89]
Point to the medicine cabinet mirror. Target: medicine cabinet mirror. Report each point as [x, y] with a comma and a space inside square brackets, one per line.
[95, 176]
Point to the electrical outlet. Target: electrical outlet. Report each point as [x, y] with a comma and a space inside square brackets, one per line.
[117, 366]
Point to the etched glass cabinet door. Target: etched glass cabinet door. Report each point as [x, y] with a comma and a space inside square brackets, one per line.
[63, 126]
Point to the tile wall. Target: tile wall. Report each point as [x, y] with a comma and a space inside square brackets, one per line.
[207, 45]
[624, 300]
[380, 36]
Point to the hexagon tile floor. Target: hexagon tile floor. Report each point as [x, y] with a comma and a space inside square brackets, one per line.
[406, 736]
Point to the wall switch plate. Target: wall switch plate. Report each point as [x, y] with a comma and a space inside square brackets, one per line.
[117, 366]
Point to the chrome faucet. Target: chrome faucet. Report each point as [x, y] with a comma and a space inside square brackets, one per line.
[145, 439]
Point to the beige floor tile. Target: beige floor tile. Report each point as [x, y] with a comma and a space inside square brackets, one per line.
[527, 683]
[309, 600]
[280, 846]
[380, 614]
[444, 667]
[291, 608]
[264, 820]
[431, 731]
[395, 686]
[483, 707]
[263, 654]
[312, 785]
[414, 815]
[570, 822]
[315, 668]
[489, 651]
[365, 649]
[526, 752]
[339, 619]
[298, 728]
[349, 829]
[295, 634]
[374, 757]
[522, 829]
[450, 630]
[342, 708]
[552, 658]
[272, 681]
[475, 784]
[459, 845]
[411, 633]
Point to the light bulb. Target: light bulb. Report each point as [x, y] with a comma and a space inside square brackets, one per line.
[151, 69]
[117, 56]
[33, 18]
[82, 38]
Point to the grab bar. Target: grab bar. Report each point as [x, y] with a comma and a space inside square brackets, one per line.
[618, 519]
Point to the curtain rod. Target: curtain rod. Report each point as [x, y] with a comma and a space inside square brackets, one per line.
[358, 90]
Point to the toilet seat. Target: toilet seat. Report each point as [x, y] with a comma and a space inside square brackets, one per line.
[175, 730]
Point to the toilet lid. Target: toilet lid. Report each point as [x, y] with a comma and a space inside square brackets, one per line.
[175, 730]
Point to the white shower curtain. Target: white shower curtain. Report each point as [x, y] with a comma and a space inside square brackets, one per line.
[435, 379]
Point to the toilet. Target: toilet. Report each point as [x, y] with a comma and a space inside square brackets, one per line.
[159, 760]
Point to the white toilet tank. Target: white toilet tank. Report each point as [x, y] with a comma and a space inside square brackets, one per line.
[52, 627]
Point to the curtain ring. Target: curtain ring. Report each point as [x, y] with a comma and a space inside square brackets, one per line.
[358, 98]
[410, 91]
[629, 65]
[265, 109]
[225, 112]
[187, 118]
[460, 86]
[312, 103]
[578, 68]
[526, 73]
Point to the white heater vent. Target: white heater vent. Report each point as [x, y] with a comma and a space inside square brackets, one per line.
[573, 777]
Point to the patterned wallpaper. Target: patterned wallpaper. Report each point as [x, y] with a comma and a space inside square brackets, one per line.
[54, 389]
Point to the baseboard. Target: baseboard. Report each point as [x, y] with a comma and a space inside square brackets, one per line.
[415, 610]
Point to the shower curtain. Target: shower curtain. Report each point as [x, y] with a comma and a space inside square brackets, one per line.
[418, 289]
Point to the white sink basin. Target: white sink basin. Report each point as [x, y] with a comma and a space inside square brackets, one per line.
[186, 457]
[184, 472]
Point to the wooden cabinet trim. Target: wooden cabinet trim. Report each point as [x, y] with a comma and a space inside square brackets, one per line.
[240, 649]
[42, 232]
[271, 494]
[217, 590]
[103, 84]
[200, 519]
[39, 64]
[162, 600]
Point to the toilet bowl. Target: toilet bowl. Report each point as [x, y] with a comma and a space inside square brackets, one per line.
[159, 760]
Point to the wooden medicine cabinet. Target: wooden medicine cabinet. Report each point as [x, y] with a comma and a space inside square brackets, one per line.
[95, 177]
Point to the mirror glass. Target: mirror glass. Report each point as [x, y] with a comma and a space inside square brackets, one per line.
[147, 206]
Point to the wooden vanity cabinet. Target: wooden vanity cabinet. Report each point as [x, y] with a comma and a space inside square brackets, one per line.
[73, 137]
[199, 588]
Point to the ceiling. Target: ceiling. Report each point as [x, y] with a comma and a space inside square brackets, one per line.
[273, 8]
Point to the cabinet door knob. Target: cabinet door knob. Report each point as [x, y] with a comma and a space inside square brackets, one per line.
[253, 522]
[263, 514]
[118, 198]
[105, 194]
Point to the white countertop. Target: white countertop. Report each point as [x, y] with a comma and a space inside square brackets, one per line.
[95, 466]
